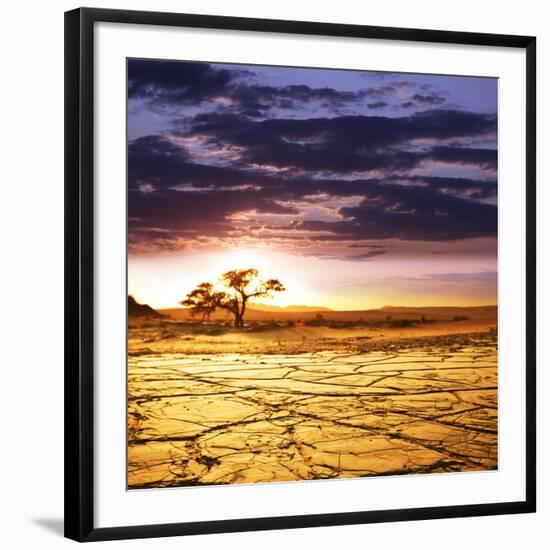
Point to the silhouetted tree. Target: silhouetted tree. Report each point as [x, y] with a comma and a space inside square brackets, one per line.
[239, 287]
[202, 300]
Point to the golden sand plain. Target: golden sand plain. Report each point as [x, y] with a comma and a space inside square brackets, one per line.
[302, 403]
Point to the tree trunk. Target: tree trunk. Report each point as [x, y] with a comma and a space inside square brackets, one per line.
[239, 322]
[239, 313]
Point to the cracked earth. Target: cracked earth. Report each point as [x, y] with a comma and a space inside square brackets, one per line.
[416, 406]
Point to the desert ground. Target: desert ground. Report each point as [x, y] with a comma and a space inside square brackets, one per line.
[310, 394]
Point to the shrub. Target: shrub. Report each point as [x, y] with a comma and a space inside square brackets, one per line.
[460, 318]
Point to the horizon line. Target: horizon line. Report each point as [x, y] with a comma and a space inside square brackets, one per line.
[325, 308]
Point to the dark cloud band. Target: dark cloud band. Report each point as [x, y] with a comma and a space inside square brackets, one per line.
[231, 165]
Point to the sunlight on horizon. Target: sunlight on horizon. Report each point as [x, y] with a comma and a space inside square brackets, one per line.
[163, 281]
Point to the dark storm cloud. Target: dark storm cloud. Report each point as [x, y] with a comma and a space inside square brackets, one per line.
[485, 158]
[414, 208]
[243, 157]
[381, 91]
[169, 83]
[254, 101]
[424, 100]
[465, 187]
[183, 210]
[377, 105]
[390, 211]
[153, 148]
[397, 212]
[428, 99]
[344, 144]
[172, 84]
[172, 214]
[157, 161]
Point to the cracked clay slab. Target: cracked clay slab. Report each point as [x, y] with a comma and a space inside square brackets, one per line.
[417, 406]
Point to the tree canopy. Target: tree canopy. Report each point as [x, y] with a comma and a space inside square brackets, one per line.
[238, 287]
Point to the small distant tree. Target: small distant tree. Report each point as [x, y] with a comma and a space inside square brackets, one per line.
[239, 286]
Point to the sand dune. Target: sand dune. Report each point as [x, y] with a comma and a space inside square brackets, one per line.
[270, 332]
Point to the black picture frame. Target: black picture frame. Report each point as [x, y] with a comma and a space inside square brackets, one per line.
[79, 270]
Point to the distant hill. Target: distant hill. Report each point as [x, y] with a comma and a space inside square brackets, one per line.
[303, 313]
[141, 310]
[439, 309]
[268, 307]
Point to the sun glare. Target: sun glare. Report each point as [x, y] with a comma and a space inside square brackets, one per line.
[270, 265]
[242, 259]
[311, 281]
[180, 274]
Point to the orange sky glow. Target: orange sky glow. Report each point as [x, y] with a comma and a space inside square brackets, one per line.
[356, 189]
[416, 280]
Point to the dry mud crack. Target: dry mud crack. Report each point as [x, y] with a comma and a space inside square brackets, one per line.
[245, 418]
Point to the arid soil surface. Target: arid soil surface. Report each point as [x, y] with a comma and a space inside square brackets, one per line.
[214, 407]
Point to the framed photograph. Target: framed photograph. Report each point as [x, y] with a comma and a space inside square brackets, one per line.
[300, 274]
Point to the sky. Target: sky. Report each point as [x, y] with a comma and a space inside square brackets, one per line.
[357, 189]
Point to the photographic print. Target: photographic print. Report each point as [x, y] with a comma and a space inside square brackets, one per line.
[312, 273]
